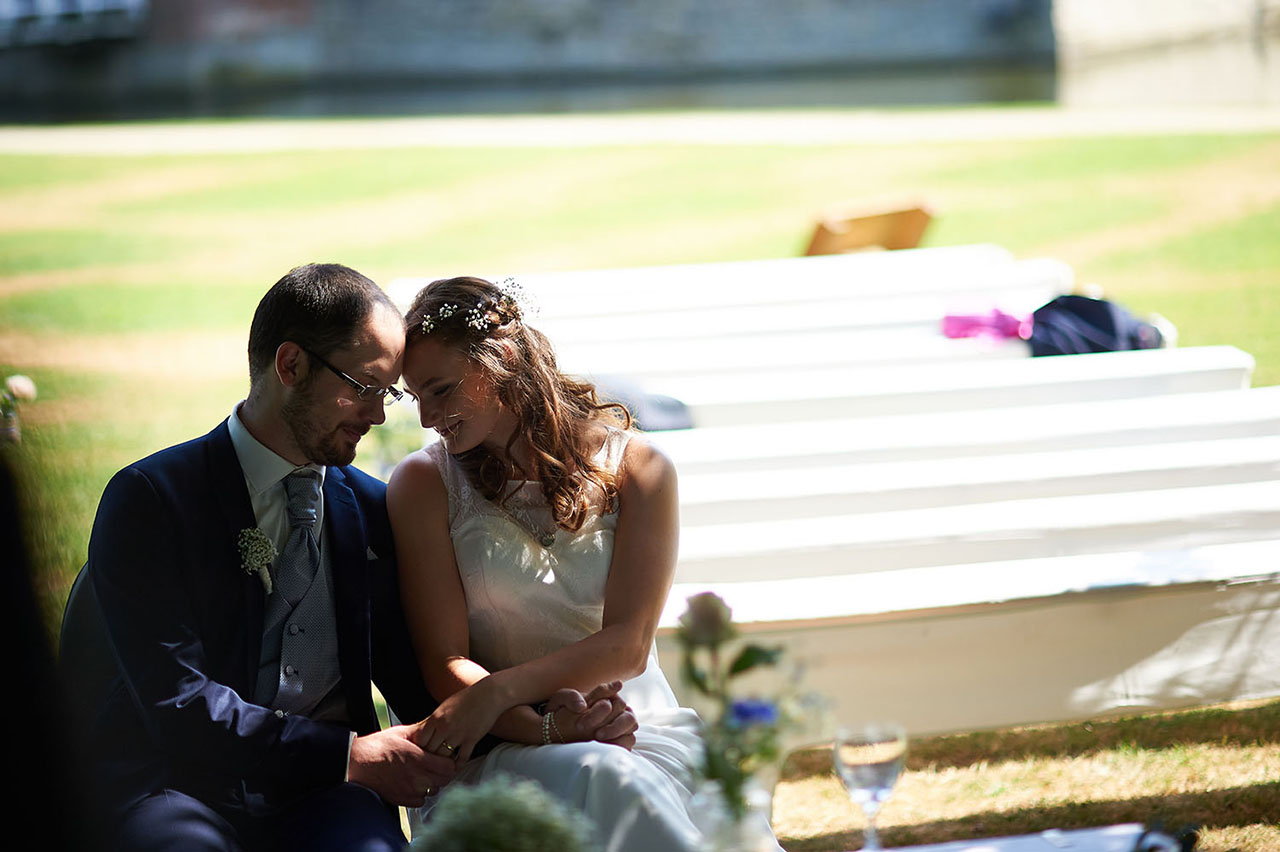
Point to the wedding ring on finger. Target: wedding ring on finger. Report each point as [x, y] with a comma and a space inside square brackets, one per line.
[449, 748]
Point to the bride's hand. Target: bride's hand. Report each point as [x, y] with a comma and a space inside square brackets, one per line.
[600, 715]
[460, 722]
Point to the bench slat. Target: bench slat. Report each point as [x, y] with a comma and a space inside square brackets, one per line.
[999, 429]
[643, 362]
[618, 291]
[783, 395]
[983, 532]
[1018, 291]
[768, 495]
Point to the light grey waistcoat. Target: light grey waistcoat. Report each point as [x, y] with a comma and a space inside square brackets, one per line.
[298, 669]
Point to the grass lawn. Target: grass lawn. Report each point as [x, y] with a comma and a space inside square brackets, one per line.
[127, 285]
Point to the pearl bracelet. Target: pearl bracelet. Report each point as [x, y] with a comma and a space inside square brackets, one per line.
[547, 722]
[556, 728]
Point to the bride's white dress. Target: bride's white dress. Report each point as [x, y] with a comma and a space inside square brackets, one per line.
[531, 589]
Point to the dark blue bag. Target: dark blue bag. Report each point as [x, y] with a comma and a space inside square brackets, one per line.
[1073, 325]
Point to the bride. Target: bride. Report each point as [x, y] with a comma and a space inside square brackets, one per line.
[537, 543]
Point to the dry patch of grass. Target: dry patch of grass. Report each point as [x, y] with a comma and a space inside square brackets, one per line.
[84, 203]
[1218, 768]
[1219, 191]
[172, 355]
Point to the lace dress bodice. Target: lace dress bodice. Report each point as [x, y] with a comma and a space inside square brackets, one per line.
[525, 598]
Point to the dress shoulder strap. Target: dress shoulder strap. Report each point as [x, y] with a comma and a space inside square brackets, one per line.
[462, 496]
[615, 444]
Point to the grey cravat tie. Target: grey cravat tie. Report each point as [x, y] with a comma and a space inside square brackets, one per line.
[301, 555]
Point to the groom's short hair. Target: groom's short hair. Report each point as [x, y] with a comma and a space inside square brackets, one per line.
[318, 306]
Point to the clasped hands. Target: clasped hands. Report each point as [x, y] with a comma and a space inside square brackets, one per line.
[465, 717]
[407, 763]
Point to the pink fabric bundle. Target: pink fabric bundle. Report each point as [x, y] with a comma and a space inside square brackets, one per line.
[995, 323]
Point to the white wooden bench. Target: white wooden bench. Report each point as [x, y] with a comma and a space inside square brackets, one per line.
[752, 314]
[770, 396]
[1017, 288]
[1055, 638]
[748, 496]
[977, 532]
[948, 532]
[643, 362]
[1064, 425]
[1008, 429]
[616, 292]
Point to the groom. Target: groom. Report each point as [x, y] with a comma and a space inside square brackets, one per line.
[241, 717]
[240, 593]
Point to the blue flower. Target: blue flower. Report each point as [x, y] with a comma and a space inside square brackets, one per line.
[746, 712]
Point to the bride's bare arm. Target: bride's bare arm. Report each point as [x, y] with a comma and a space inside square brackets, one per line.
[431, 590]
[640, 577]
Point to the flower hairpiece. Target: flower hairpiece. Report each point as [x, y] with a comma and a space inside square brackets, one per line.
[446, 310]
[515, 299]
[478, 318]
[512, 303]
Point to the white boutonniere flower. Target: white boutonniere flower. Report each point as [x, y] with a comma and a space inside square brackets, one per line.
[257, 553]
[20, 387]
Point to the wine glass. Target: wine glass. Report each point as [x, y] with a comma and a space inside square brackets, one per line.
[869, 758]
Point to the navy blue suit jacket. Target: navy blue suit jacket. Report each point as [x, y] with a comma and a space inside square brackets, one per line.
[183, 623]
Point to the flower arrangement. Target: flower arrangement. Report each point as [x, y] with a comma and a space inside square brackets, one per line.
[257, 554]
[504, 814]
[745, 737]
[16, 389]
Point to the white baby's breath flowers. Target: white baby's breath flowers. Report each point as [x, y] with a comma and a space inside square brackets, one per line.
[504, 814]
[477, 318]
[20, 387]
[257, 553]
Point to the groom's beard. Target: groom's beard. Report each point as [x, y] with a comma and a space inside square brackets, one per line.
[300, 415]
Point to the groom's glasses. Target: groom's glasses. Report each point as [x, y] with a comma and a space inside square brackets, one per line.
[388, 395]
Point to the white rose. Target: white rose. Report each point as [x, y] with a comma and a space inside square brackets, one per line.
[20, 387]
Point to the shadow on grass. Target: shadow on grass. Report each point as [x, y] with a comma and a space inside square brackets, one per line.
[1218, 726]
[1234, 806]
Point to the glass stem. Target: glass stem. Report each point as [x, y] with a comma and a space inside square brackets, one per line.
[871, 839]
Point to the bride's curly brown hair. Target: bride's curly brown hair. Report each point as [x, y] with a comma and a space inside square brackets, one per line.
[554, 412]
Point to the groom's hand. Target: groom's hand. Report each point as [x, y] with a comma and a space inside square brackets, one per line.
[390, 764]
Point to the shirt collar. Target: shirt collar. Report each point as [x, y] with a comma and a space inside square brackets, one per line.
[263, 467]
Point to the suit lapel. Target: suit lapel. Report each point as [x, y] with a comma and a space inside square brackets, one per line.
[231, 495]
[347, 559]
